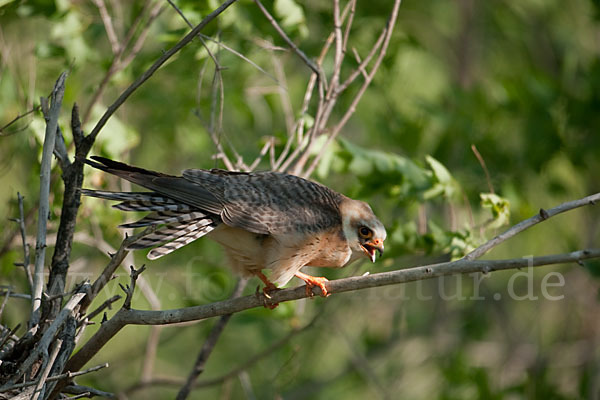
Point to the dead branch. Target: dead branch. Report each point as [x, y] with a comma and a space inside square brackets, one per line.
[66, 375]
[48, 337]
[44, 208]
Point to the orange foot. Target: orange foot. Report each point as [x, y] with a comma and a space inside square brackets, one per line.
[267, 290]
[312, 281]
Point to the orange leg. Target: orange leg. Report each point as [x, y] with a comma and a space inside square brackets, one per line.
[314, 281]
[269, 288]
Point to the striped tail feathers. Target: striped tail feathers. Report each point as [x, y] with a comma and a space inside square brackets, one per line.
[176, 224]
[164, 217]
[181, 241]
[173, 236]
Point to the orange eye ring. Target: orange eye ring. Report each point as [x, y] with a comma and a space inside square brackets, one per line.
[365, 232]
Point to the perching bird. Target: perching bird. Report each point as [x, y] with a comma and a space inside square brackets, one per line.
[264, 220]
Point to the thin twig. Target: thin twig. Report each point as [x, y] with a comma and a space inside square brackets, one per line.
[107, 274]
[4, 303]
[106, 304]
[15, 295]
[117, 64]
[66, 375]
[18, 117]
[24, 241]
[484, 167]
[154, 67]
[283, 162]
[314, 67]
[235, 371]
[209, 345]
[210, 54]
[130, 289]
[108, 26]
[86, 391]
[44, 208]
[528, 223]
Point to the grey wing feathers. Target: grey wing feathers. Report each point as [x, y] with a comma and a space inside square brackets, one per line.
[195, 203]
[270, 202]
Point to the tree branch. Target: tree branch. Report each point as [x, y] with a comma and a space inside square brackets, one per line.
[154, 67]
[528, 223]
[40, 247]
[141, 317]
[24, 241]
[48, 336]
[314, 67]
[209, 345]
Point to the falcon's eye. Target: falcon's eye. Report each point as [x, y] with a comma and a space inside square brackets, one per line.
[365, 232]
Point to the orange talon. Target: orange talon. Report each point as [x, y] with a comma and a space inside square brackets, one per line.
[312, 281]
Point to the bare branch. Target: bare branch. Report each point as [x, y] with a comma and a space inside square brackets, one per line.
[106, 275]
[44, 209]
[209, 345]
[141, 317]
[131, 287]
[352, 108]
[24, 241]
[48, 337]
[106, 304]
[315, 68]
[68, 375]
[108, 26]
[154, 67]
[528, 223]
[38, 391]
[17, 118]
[86, 391]
[483, 166]
[9, 293]
[6, 295]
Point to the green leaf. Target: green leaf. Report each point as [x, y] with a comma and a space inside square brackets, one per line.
[500, 208]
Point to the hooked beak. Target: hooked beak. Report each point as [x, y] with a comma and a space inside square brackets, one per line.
[371, 247]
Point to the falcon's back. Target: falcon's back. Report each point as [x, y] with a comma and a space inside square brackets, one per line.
[189, 206]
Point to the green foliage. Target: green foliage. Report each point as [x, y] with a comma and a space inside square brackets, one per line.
[500, 208]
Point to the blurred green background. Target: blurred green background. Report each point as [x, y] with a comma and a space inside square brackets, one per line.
[519, 79]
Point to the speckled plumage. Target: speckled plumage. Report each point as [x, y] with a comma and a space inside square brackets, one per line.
[264, 220]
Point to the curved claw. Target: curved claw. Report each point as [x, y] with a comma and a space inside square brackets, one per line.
[267, 290]
[312, 281]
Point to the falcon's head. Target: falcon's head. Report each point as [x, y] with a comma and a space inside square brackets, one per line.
[364, 232]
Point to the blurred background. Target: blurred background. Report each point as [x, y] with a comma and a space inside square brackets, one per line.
[511, 87]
